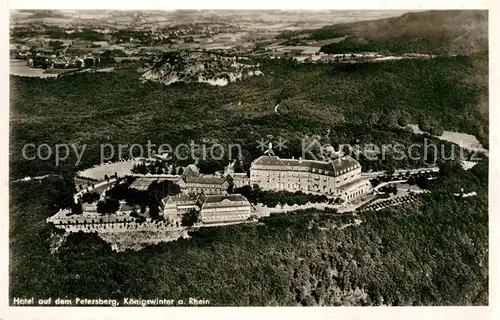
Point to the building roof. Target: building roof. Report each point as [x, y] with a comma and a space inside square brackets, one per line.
[240, 176]
[220, 198]
[231, 200]
[344, 162]
[269, 161]
[191, 170]
[204, 180]
[179, 198]
[355, 184]
[336, 165]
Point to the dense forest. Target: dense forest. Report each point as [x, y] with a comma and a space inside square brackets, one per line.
[442, 32]
[433, 253]
[365, 103]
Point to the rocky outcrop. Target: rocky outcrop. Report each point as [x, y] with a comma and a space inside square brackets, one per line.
[201, 67]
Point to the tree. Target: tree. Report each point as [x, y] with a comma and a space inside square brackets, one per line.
[190, 218]
[230, 188]
[210, 166]
[238, 167]
[404, 119]
[389, 172]
[173, 189]
[108, 206]
[76, 208]
[89, 62]
[154, 211]
[90, 197]
[139, 168]
[394, 190]
[56, 45]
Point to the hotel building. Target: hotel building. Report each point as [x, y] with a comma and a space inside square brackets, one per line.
[213, 208]
[340, 177]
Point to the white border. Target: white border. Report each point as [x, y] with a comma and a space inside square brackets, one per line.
[252, 5]
[489, 312]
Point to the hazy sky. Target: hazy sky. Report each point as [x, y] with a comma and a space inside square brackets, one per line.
[285, 16]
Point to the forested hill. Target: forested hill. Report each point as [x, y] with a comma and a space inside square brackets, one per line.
[433, 252]
[436, 32]
[366, 101]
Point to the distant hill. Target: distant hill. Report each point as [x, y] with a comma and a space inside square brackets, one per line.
[438, 32]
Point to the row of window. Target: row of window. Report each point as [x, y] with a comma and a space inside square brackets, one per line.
[292, 186]
[197, 185]
[350, 169]
[226, 217]
[314, 170]
[292, 175]
[354, 194]
[279, 174]
[304, 182]
[315, 188]
[226, 206]
[206, 190]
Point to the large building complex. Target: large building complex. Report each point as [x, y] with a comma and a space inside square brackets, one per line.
[340, 177]
[213, 208]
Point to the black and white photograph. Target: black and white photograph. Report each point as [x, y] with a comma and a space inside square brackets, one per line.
[248, 158]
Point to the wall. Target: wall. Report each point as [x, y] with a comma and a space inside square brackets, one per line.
[119, 227]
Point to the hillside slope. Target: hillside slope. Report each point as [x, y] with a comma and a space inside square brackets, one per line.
[431, 254]
[438, 32]
[448, 93]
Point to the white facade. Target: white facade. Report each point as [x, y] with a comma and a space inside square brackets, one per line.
[225, 209]
[203, 185]
[213, 208]
[175, 206]
[340, 177]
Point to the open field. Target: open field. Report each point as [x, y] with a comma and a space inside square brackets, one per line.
[121, 168]
[19, 68]
[464, 140]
